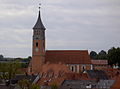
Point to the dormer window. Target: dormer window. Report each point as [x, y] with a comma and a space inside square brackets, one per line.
[44, 75]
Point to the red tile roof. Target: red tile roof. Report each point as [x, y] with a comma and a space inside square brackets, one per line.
[116, 84]
[112, 73]
[56, 68]
[100, 62]
[68, 56]
[53, 73]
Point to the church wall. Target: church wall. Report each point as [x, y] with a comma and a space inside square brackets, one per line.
[88, 67]
[79, 67]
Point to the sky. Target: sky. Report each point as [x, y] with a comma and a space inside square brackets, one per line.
[70, 25]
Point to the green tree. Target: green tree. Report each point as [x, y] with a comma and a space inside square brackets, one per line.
[9, 70]
[34, 86]
[114, 56]
[1, 56]
[102, 55]
[54, 86]
[93, 55]
[29, 57]
[25, 84]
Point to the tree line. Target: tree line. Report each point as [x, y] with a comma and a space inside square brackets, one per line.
[112, 55]
[24, 61]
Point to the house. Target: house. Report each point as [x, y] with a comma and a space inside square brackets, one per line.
[99, 64]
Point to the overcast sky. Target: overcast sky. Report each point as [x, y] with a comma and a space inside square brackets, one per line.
[70, 24]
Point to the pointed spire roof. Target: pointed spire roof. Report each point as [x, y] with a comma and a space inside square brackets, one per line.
[39, 24]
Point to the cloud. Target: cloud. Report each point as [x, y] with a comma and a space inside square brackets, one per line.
[71, 24]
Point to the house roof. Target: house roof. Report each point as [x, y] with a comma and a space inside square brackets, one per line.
[7, 87]
[31, 78]
[99, 62]
[116, 84]
[68, 56]
[112, 73]
[94, 74]
[51, 73]
[54, 68]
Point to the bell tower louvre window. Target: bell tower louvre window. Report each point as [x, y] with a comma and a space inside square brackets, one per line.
[36, 44]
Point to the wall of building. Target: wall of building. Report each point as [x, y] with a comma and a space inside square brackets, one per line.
[78, 68]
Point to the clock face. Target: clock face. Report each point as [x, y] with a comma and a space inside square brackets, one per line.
[36, 49]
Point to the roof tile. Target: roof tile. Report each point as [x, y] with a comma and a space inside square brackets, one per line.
[68, 56]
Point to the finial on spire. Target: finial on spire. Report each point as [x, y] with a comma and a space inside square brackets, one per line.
[39, 6]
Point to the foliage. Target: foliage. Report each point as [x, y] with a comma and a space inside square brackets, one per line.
[26, 60]
[114, 56]
[93, 55]
[102, 55]
[24, 65]
[1, 57]
[25, 84]
[54, 86]
[8, 70]
[34, 86]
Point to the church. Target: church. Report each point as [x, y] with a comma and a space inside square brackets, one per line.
[43, 60]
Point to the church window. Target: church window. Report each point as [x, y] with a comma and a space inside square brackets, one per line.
[83, 67]
[72, 68]
[36, 44]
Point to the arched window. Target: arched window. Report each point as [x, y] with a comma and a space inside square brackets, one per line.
[72, 68]
[83, 67]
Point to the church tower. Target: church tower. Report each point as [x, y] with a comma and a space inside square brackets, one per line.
[38, 49]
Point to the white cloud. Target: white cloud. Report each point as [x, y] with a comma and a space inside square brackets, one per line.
[71, 24]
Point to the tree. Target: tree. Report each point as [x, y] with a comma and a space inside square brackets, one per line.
[25, 84]
[29, 57]
[34, 86]
[114, 56]
[9, 70]
[93, 55]
[54, 86]
[102, 55]
[1, 56]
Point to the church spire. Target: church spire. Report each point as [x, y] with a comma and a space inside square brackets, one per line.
[39, 24]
